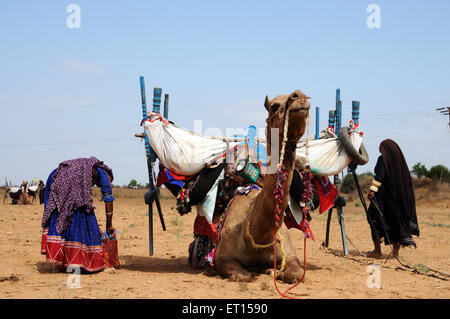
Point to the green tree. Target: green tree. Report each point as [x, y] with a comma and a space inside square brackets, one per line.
[439, 173]
[133, 184]
[420, 170]
[348, 183]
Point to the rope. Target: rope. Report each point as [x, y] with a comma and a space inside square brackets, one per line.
[369, 262]
[278, 193]
[307, 140]
[252, 240]
[392, 250]
[285, 130]
[359, 251]
[361, 196]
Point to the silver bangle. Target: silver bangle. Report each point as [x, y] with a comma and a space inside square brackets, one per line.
[109, 213]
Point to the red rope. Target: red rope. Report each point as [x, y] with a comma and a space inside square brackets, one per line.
[278, 193]
[275, 269]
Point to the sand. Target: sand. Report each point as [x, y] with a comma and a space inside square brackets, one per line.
[166, 274]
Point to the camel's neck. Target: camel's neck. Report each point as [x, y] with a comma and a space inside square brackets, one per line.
[262, 214]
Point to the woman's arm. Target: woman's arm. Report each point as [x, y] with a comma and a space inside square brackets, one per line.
[108, 198]
[109, 210]
[378, 178]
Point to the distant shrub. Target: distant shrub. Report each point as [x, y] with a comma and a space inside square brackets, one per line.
[348, 183]
[436, 173]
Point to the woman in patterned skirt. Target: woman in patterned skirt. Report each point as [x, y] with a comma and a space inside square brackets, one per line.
[71, 235]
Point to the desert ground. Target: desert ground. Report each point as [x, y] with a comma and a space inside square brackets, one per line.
[166, 274]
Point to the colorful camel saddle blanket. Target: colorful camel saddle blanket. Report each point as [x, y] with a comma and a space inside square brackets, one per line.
[207, 234]
[186, 153]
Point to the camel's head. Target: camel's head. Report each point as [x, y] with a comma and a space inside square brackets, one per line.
[298, 105]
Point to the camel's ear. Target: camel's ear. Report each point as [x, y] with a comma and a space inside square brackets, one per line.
[267, 103]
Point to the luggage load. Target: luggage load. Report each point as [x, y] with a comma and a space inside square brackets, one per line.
[186, 153]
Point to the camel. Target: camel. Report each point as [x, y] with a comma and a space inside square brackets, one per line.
[247, 235]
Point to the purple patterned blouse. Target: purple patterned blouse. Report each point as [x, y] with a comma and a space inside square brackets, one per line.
[71, 189]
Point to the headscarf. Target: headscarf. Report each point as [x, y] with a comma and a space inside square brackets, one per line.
[401, 203]
[71, 189]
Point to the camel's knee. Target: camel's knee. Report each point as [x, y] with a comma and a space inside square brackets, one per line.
[293, 271]
[240, 276]
[232, 270]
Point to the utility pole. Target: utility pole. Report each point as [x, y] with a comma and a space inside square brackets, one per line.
[445, 111]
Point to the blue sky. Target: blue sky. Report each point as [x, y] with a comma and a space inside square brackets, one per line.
[67, 93]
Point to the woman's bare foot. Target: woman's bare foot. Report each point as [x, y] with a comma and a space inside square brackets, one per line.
[374, 254]
[396, 249]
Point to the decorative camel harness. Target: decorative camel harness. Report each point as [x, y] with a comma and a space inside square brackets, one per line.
[281, 177]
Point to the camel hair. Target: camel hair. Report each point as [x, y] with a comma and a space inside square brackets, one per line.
[248, 232]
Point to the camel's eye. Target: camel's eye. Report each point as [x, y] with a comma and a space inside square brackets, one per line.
[275, 107]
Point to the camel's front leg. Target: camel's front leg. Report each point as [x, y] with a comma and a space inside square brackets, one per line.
[230, 268]
[293, 271]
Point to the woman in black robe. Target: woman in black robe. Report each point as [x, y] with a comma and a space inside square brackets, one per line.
[395, 199]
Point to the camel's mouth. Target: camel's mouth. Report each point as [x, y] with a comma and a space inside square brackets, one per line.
[299, 106]
[301, 110]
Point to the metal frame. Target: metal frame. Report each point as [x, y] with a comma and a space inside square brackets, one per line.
[152, 194]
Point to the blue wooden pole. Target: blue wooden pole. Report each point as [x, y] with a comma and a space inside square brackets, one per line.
[157, 99]
[156, 109]
[335, 121]
[336, 178]
[355, 111]
[144, 113]
[149, 168]
[331, 119]
[338, 110]
[166, 106]
[339, 118]
[317, 123]
[338, 97]
[152, 194]
[331, 125]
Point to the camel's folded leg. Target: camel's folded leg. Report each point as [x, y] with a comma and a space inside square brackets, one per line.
[293, 271]
[230, 268]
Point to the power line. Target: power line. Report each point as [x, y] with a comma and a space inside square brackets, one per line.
[416, 113]
[65, 143]
[396, 118]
